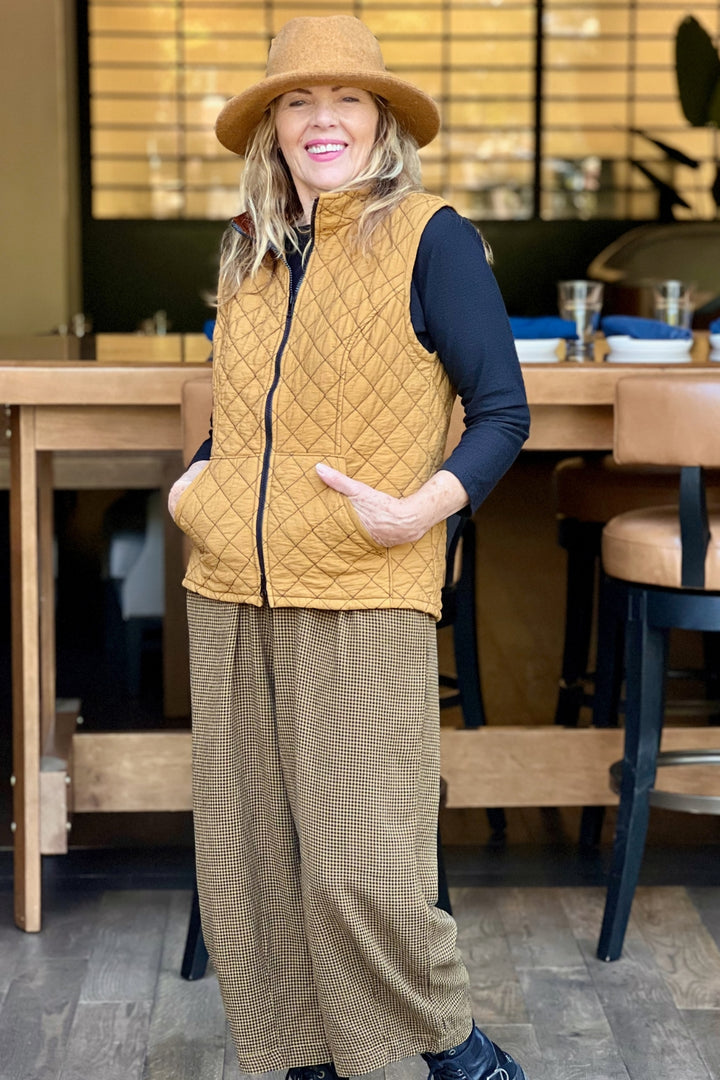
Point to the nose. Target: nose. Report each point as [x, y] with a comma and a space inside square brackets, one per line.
[324, 114]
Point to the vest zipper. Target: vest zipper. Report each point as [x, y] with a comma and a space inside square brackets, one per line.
[292, 299]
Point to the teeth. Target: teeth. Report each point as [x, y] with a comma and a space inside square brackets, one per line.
[325, 148]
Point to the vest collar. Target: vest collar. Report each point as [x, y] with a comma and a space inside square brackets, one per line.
[332, 212]
[336, 211]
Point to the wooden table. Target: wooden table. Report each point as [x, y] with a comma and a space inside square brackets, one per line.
[572, 404]
[124, 404]
[128, 401]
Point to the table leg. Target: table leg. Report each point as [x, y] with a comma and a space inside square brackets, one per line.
[25, 667]
[47, 597]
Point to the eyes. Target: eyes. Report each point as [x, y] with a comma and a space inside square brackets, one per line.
[299, 101]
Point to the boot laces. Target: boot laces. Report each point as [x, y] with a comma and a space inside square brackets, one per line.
[447, 1070]
[450, 1071]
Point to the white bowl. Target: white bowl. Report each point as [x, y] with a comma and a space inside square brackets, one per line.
[627, 350]
[537, 350]
[715, 341]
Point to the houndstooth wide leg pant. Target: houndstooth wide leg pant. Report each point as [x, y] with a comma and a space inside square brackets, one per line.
[315, 786]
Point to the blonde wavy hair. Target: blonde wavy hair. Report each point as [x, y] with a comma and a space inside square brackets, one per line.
[268, 195]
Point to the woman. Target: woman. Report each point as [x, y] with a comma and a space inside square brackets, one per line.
[352, 306]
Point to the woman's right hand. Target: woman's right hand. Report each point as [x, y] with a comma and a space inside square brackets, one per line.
[183, 482]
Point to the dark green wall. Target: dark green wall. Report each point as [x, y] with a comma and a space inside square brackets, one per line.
[133, 268]
[532, 256]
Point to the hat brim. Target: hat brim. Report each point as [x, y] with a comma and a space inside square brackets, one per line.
[415, 110]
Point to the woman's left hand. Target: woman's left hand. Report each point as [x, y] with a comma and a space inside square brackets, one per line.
[390, 520]
[385, 517]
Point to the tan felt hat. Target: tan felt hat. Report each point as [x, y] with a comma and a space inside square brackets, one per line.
[334, 50]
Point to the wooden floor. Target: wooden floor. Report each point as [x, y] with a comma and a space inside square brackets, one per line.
[97, 995]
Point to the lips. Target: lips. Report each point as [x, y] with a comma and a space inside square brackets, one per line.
[325, 151]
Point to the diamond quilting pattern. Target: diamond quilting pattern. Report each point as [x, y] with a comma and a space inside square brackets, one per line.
[357, 390]
[336, 555]
[218, 512]
[243, 367]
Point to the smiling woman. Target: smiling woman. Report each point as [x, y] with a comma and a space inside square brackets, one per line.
[326, 135]
[352, 306]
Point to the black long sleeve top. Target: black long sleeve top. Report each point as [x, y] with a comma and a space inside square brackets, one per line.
[457, 311]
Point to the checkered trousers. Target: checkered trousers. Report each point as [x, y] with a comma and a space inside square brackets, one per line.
[315, 786]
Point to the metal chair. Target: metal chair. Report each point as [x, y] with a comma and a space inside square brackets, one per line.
[662, 570]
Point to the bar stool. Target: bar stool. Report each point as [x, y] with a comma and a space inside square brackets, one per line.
[662, 570]
[588, 493]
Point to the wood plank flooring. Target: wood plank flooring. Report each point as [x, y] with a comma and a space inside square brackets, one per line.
[98, 996]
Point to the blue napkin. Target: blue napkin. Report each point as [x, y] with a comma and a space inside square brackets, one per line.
[645, 329]
[544, 326]
[715, 326]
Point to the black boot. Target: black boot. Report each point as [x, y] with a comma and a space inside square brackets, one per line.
[476, 1059]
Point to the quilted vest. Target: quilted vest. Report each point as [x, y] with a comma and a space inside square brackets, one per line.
[339, 377]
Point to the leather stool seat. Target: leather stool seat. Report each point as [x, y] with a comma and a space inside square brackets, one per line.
[645, 546]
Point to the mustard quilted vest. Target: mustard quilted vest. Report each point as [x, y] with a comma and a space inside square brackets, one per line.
[338, 377]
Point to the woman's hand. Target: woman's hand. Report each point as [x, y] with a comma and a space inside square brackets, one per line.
[392, 521]
[184, 481]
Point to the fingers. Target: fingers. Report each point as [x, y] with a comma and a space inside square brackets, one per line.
[182, 483]
[339, 481]
[383, 516]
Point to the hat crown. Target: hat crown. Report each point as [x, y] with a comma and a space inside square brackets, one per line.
[331, 50]
[320, 44]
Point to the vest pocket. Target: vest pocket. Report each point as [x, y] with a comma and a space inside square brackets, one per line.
[217, 511]
[313, 536]
[190, 489]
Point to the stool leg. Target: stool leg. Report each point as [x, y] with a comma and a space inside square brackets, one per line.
[610, 667]
[646, 654]
[591, 823]
[465, 644]
[498, 823]
[465, 639]
[581, 540]
[609, 672]
[711, 660]
[195, 958]
[133, 653]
